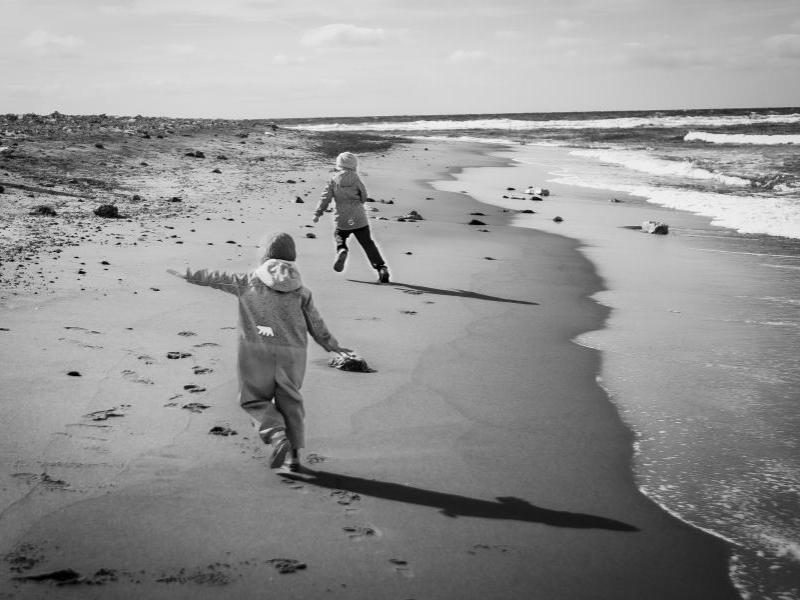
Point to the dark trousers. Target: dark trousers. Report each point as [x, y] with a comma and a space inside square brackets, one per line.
[365, 239]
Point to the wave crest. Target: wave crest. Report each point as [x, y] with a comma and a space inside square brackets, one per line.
[741, 138]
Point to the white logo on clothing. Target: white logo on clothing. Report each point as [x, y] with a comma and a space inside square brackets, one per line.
[266, 331]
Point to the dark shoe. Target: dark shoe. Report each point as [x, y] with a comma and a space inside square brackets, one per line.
[280, 447]
[340, 260]
[383, 275]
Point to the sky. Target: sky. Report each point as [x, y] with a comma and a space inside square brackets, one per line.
[326, 58]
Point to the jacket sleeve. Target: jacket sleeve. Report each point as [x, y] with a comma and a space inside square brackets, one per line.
[233, 283]
[362, 190]
[325, 199]
[316, 326]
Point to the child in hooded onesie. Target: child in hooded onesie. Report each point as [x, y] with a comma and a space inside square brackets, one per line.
[348, 193]
[276, 314]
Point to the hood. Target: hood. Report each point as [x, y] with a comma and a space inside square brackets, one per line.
[280, 275]
[346, 178]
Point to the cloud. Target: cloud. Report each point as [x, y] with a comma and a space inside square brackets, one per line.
[786, 45]
[181, 49]
[43, 90]
[668, 53]
[343, 34]
[231, 9]
[45, 43]
[283, 59]
[466, 55]
[568, 25]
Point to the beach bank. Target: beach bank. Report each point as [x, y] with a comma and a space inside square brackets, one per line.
[481, 459]
[697, 352]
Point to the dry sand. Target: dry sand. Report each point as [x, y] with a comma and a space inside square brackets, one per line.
[480, 460]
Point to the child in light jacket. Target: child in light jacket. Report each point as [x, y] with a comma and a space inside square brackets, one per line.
[276, 314]
[348, 193]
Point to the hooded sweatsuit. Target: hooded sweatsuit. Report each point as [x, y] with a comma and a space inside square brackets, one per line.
[348, 193]
[276, 314]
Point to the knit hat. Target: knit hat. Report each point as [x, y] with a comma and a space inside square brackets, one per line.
[281, 246]
[347, 160]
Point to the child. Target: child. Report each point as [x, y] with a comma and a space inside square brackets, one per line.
[348, 193]
[276, 313]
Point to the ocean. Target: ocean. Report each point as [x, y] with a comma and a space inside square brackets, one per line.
[701, 353]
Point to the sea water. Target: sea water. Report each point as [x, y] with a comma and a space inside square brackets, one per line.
[701, 353]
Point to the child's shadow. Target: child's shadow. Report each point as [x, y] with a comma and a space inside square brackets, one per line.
[423, 289]
[453, 505]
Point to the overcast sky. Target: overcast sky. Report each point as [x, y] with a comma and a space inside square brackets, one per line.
[305, 58]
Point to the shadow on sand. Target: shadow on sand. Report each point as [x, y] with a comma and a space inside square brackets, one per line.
[453, 505]
[405, 287]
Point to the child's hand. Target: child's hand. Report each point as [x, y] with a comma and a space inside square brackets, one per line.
[315, 219]
[174, 272]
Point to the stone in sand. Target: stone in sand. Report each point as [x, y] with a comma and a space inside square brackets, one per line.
[220, 430]
[44, 210]
[350, 363]
[558, 219]
[656, 227]
[107, 211]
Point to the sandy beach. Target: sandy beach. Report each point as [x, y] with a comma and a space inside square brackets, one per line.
[480, 459]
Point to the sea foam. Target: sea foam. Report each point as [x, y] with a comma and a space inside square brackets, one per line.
[741, 138]
[507, 124]
[745, 214]
[644, 163]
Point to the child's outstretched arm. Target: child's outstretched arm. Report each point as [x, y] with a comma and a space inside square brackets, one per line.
[318, 330]
[324, 200]
[232, 283]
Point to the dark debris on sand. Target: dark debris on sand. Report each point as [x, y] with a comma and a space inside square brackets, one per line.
[350, 363]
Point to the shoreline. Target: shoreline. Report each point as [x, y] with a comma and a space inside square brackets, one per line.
[482, 408]
[712, 301]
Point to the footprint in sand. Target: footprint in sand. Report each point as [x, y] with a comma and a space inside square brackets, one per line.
[401, 567]
[292, 483]
[202, 370]
[194, 389]
[135, 378]
[476, 548]
[186, 333]
[148, 360]
[172, 400]
[205, 345]
[360, 532]
[42, 479]
[286, 565]
[24, 558]
[408, 312]
[345, 498]
[107, 413]
[314, 459]
[92, 331]
[80, 343]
